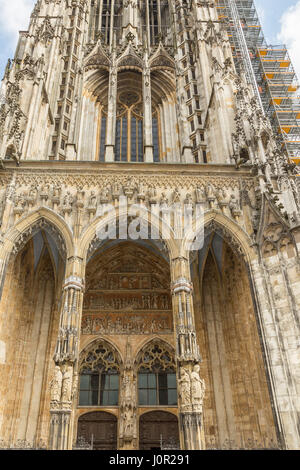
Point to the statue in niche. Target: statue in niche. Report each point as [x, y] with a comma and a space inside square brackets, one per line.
[67, 203]
[185, 387]
[163, 200]
[221, 196]
[66, 392]
[200, 195]
[55, 384]
[141, 193]
[80, 196]
[152, 195]
[198, 387]
[128, 394]
[210, 191]
[32, 196]
[128, 418]
[92, 201]
[20, 202]
[234, 205]
[57, 191]
[44, 192]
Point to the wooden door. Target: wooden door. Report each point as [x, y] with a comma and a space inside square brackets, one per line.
[99, 427]
[157, 427]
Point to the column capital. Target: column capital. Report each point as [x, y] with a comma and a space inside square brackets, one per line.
[74, 282]
[182, 284]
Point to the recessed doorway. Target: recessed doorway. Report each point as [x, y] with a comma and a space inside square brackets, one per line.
[98, 428]
[158, 428]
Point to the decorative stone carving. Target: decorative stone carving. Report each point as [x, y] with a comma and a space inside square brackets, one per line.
[67, 380]
[184, 387]
[197, 389]
[126, 324]
[56, 384]
[234, 206]
[67, 203]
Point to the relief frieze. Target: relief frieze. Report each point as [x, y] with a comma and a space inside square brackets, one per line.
[127, 301]
[127, 324]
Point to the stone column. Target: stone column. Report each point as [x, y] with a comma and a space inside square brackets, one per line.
[128, 405]
[191, 387]
[148, 139]
[112, 108]
[64, 381]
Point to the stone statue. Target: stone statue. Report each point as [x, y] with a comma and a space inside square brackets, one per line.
[67, 203]
[66, 392]
[127, 390]
[197, 386]
[234, 206]
[55, 384]
[128, 423]
[92, 201]
[152, 195]
[57, 191]
[188, 200]
[185, 387]
[200, 195]
[210, 192]
[80, 197]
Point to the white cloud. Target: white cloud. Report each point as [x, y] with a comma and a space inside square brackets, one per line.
[14, 17]
[290, 34]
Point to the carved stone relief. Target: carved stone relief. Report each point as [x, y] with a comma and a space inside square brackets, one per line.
[128, 292]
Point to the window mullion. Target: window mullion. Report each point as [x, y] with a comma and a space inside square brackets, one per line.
[99, 389]
[129, 135]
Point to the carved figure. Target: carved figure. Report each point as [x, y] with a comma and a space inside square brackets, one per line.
[185, 387]
[55, 384]
[197, 386]
[66, 392]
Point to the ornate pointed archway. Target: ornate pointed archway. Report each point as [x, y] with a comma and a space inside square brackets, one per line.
[238, 404]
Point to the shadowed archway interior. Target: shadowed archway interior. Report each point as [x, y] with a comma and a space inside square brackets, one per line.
[238, 410]
[29, 327]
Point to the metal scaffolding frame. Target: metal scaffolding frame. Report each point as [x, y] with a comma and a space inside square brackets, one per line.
[269, 69]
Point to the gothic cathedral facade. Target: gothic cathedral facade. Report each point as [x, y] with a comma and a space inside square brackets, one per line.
[143, 342]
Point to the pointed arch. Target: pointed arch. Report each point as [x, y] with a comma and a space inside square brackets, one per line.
[228, 229]
[43, 218]
[89, 241]
[152, 342]
[95, 342]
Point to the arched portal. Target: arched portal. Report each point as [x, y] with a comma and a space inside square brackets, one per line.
[29, 318]
[99, 429]
[127, 321]
[237, 406]
[127, 292]
[158, 429]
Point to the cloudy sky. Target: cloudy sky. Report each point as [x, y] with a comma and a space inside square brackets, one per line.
[280, 20]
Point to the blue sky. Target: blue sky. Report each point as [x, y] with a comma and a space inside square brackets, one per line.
[280, 20]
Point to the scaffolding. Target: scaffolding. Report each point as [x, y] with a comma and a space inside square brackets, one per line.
[268, 68]
[278, 83]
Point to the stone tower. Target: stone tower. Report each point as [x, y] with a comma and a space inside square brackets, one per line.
[124, 118]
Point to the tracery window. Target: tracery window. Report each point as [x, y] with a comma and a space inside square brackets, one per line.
[157, 377]
[99, 377]
[129, 128]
